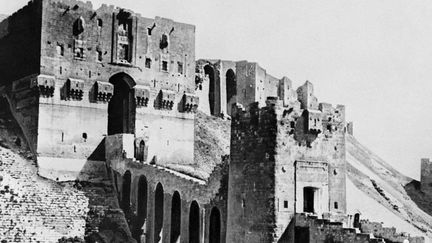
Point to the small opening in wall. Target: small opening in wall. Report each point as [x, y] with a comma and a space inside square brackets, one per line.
[90, 74]
[285, 204]
[60, 50]
[61, 70]
[336, 205]
[148, 62]
[74, 149]
[180, 67]
[164, 66]
[100, 23]
[62, 137]
[99, 56]
[335, 172]
[84, 135]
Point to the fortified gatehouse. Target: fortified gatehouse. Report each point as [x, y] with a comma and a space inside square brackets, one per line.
[109, 90]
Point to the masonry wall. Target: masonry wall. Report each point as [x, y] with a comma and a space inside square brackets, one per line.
[20, 43]
[426, 176]
[55, 136]
[207, 194]
[276, 151]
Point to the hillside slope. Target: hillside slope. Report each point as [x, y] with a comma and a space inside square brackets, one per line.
[376, 190]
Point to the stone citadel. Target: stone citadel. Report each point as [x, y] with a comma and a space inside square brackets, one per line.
[108, 89]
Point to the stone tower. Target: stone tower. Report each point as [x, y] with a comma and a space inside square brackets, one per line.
[284, 160]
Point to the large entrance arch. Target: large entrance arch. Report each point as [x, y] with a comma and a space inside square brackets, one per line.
[121, 107]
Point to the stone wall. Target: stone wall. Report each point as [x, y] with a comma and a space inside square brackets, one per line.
[278, 152]
[426, 176]
[387, 233]
[35, 209]
[20, 42]
[137, 183]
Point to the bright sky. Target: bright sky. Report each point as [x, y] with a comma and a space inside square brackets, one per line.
[375, 57]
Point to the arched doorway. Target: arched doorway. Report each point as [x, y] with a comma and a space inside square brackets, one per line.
[231, 89]
[126, 189]
[121, 107]
[142, 208]
[215, 226]
[175, 217]
[210, 73]
[194, 223]
[158, 213]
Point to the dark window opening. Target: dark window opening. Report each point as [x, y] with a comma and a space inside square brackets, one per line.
[180, 67]
[148, 62]
[60, 50]
[285, 204]
[78, 26]
[99, 56]
[164, 66]
[336, 205]
[79, 52]
[84, 135]
[100, 23]
[231, 89]
[163, 42]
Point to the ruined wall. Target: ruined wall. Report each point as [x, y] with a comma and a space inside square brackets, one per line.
[310, 229]
[20, 43]
[387, 233]
[426, 176]
[276, 152]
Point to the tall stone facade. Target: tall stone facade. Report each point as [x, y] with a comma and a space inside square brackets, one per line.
[285, 159]
[76, 75]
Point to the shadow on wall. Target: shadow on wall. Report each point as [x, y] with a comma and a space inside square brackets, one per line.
[105, 221]
[420, 198]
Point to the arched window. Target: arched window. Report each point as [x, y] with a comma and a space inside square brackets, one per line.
[158, 213]
[215, 226]
[194, 223]
[163, 42]
[78, 26]
[175, 217]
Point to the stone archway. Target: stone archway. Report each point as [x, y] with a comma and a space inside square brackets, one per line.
[158, 213]
[215, 226]
[194, 223]
[126, 190]
[175, 217]
[213, 89]
[140, 223]
[121, 107]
